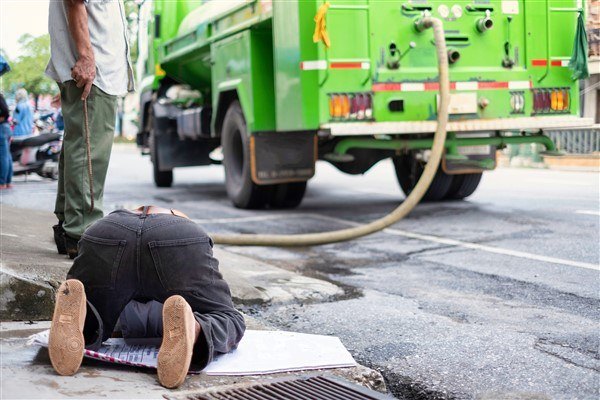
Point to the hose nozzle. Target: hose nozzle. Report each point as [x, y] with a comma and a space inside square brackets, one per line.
[453, 56]
[423, 23]
[483, 24]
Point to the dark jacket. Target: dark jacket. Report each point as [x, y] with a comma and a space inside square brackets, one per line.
[4, 113]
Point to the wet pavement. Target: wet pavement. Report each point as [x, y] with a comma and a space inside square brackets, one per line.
[493, 297]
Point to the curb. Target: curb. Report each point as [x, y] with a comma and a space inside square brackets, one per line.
[581, 162]
[566, 162]
[25, 300]
[254, 282]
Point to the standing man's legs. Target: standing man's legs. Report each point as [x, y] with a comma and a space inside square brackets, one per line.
[73, 201]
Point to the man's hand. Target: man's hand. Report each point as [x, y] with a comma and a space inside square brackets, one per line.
[84, 72]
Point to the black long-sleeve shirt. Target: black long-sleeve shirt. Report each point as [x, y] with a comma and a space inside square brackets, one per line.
[4, 113]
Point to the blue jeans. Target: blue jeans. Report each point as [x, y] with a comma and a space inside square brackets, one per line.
[6, 162]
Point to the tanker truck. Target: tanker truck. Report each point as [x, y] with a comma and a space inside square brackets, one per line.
[267, 88]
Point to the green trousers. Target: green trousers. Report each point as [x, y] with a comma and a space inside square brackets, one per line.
[73, 201]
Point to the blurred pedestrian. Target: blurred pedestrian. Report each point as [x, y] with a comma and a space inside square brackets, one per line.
[6, 167]
[90, 62]
[22, 116]
[59, 121]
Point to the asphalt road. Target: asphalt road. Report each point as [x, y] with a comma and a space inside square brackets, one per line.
[494, 297]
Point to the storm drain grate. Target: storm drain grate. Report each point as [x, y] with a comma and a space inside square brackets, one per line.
[313, 388]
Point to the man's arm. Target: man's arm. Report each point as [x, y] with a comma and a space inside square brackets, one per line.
[84, 70]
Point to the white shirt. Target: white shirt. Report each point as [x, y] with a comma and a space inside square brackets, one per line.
[108, 36]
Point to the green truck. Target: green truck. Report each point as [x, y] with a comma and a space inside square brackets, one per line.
[267, 88]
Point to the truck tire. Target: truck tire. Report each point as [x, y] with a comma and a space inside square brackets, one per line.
[287, 195]
[241, 190]
[161, 178]
[409, 170]
[463, 186]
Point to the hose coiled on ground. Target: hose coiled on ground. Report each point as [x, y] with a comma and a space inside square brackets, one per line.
[437, 149]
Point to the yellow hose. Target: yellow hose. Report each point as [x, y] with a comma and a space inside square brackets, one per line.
[311, 239]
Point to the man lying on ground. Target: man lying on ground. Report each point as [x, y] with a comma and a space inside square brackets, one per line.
[147, 254]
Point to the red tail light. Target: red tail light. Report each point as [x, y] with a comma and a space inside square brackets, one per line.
[350, 106]
[551, 101]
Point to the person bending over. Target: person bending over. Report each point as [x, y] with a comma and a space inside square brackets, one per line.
[146, 254]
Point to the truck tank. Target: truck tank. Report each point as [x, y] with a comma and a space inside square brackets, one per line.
[194, 67]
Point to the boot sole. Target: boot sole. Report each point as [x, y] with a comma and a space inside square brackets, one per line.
[66, 343]
[175, 354]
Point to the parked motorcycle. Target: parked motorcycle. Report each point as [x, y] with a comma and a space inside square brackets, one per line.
[37, 154]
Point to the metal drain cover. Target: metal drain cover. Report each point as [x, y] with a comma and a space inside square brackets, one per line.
[308, 388]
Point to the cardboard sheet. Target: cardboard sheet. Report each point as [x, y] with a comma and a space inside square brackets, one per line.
[259, 352]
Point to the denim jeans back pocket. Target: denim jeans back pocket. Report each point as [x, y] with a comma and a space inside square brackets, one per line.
[183, 264]
[98, 262]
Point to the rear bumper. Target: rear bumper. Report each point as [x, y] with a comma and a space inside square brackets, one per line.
[474, 125]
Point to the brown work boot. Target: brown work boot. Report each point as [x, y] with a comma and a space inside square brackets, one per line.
[66, 343]
[179, 335]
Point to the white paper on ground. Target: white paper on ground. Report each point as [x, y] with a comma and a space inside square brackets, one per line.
[259, 352]
[265, 352]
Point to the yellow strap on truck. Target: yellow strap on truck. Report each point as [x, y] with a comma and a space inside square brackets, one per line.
[320, 27]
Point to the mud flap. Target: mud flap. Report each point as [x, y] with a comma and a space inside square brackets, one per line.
[281, 157]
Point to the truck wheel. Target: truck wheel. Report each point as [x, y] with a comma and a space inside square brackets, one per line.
[287, 195]
[161, 178]
[409, 170]
[463, 186]
[241, 190]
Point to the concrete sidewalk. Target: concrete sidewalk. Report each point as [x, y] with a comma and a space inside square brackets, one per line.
[27, 374]
[31, 270]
